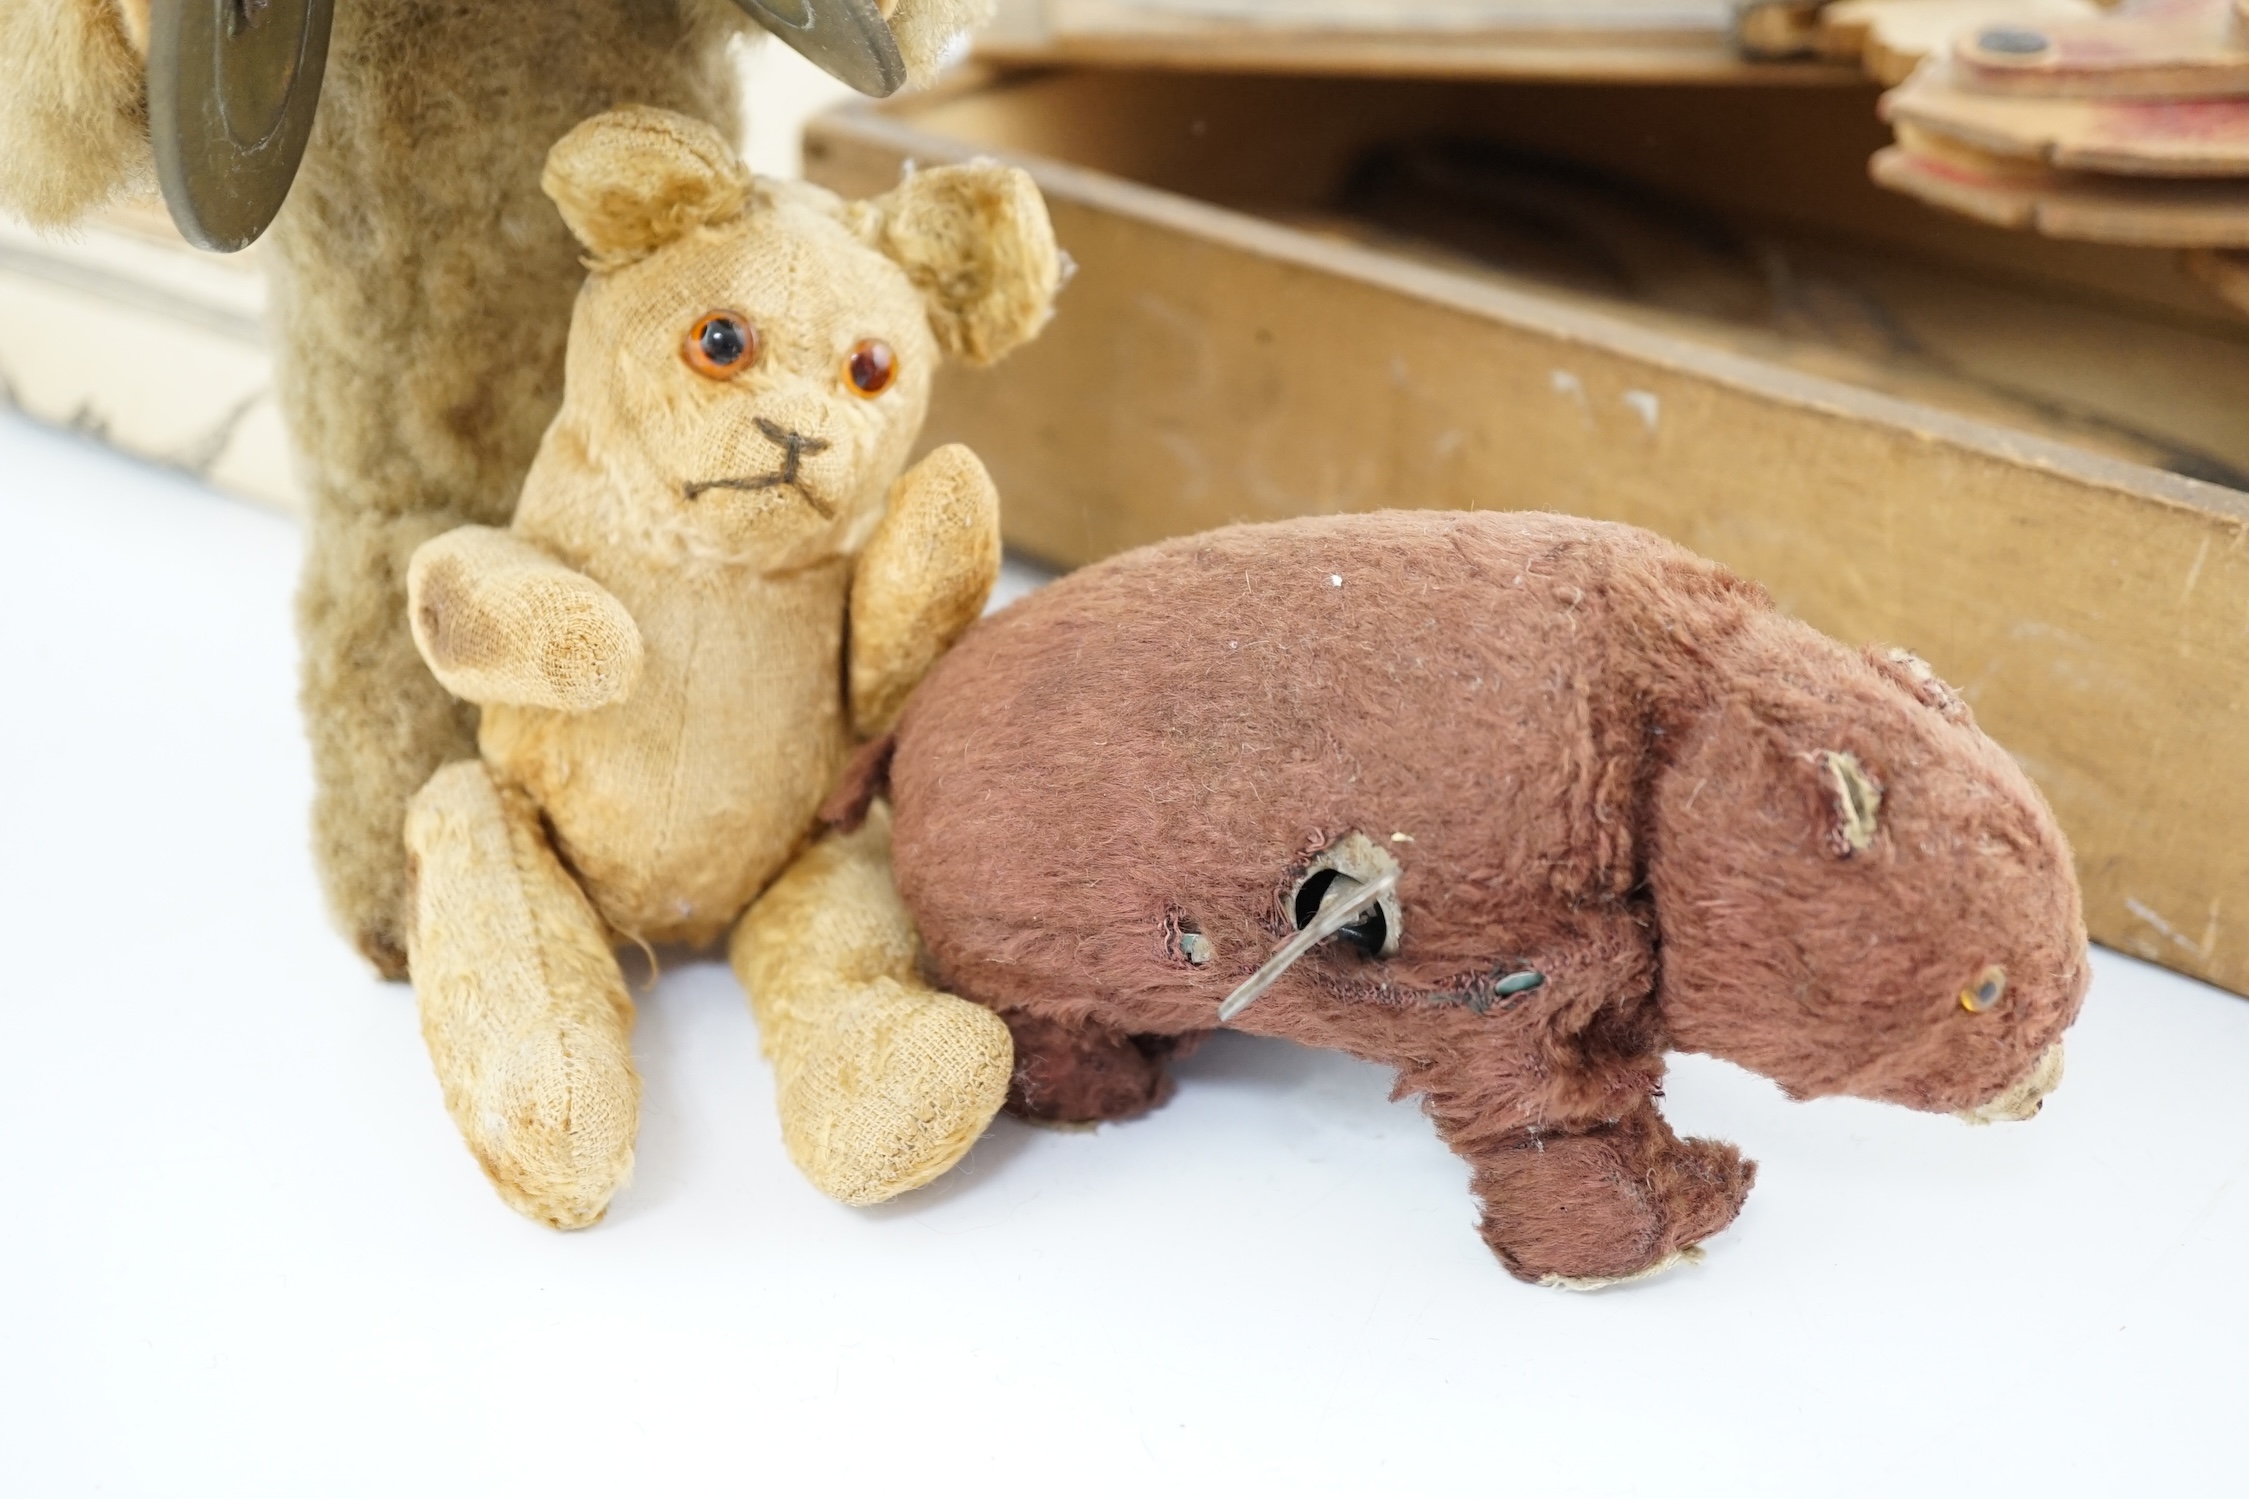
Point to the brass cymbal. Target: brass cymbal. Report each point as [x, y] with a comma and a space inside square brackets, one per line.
[232, 86]
[847, 38]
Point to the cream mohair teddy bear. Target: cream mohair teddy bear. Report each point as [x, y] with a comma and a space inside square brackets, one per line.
[419, 289]
[717, 578]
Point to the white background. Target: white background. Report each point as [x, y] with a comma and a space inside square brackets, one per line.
[246, 1255]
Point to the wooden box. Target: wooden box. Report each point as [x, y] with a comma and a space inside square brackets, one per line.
[1641, 40]
[1683, 307]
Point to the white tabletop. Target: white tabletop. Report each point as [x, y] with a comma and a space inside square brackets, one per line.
[247, 1255]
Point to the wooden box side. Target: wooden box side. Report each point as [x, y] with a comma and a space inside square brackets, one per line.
[1609, 40]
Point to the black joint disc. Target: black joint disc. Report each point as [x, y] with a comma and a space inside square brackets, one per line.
[848, 39]
[232, 85]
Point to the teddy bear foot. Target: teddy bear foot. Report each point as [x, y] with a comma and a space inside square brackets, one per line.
[382, 946]
[523, 1007]
[1081, 1075]
[1691, 1255]
[891, 1090]
[554, 1129]
[1624, 1200]
[883, 1082]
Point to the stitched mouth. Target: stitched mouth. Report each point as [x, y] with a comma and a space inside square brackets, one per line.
[782, 479]
[795, 446]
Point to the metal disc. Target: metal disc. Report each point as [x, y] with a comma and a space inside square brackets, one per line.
[232, 85]
[848, 39]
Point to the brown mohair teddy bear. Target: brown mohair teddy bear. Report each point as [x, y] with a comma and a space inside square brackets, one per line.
[1630, 808]
[717, 577]
[420, 289]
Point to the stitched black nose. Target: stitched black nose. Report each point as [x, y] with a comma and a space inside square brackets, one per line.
[792, 443]
[795, 446]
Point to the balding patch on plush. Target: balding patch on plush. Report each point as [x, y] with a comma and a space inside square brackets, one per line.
[635, 179]
[976, 241]
[1858, 801]
[1919, 678]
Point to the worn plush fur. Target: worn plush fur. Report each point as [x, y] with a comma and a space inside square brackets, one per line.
[927, 31]
[74, 114]
[422, 288]
[1594, 757]
[659, 646]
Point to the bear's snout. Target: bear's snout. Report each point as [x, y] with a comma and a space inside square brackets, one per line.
[2022, 1098]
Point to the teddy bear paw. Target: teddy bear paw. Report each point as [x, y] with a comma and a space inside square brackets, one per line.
[894, 1088]
[551, 1119]
[1687, 1256]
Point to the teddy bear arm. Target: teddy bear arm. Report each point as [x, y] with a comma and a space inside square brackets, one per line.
[74, 112]
[922, 580]
[501, 621]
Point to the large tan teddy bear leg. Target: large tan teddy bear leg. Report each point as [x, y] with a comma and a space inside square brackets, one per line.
[884, 1082]
[523, 1006]
[422, 286]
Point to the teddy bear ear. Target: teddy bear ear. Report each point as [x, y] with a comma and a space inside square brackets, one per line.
[976, 241]
[635, 179]
[1855, 800]
[1915, 676]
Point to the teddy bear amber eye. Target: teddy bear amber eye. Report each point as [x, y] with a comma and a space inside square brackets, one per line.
[870, 367]
[721, 344]
[1985, 993]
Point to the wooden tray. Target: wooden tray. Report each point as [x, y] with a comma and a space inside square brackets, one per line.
[1642, 40]
[1977, 445]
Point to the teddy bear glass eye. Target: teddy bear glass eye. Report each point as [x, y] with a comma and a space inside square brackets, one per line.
[870, 367]
[1985, 993]
[721, 344]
